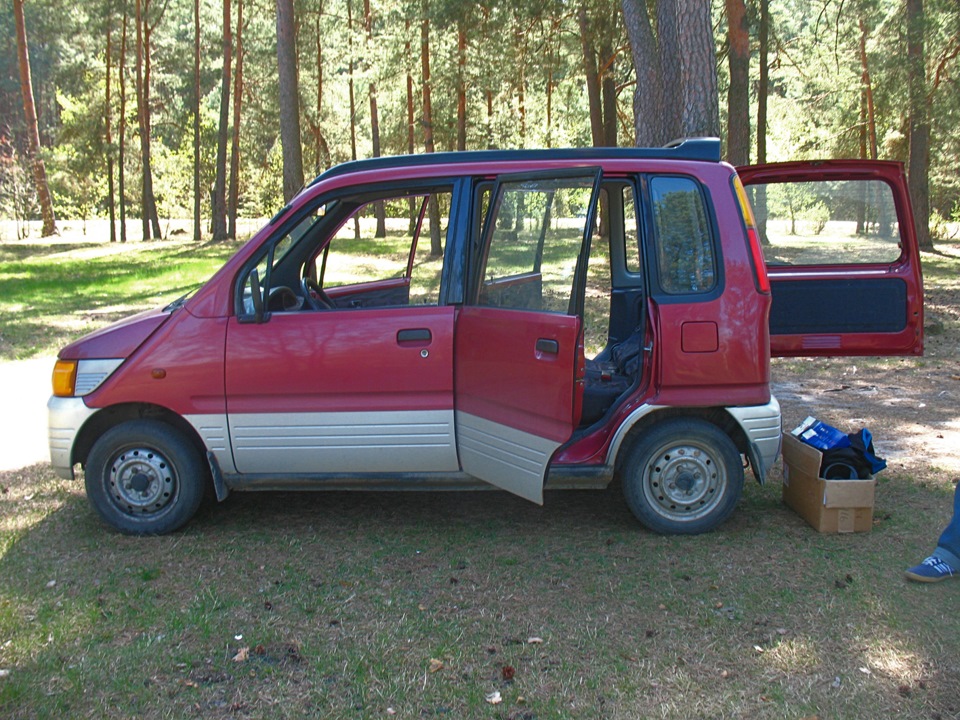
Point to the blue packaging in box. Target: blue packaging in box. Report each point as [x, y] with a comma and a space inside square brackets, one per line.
[820, 435]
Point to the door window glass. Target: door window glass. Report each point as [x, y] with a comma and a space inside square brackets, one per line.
[631, 233]
[266, 281]
[835, 222]
[536, 233]
[685, 253]
[387, 252]
[596, 301]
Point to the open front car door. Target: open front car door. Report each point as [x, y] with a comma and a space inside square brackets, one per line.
[842, 257]
[519, 359]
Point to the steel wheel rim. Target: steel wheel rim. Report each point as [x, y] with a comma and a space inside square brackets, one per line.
[684, 481]
[142, 481]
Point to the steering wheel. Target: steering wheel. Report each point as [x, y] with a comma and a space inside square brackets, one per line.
[316, 298]
[283, 299]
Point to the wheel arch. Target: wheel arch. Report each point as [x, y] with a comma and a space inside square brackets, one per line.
[649, 416]
[110, 417]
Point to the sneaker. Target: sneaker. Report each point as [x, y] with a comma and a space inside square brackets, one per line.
[933, 569]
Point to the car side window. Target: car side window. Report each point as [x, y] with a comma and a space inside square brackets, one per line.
[535, 242]
[387, 252]
[263, 283]
[596, 305]
[829, 222]
[630, 230]
[685, 252]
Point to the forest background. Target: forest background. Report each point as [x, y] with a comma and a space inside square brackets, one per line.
[142, 109]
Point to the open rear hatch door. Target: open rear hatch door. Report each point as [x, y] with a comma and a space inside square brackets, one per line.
[841, 253]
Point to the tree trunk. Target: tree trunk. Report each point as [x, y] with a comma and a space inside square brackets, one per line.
[197, 232]
[608, 89]
[33, 130]
[321, 149]
[436, 245]
[701, 111]
[411, 127]
[379, 209]
[352, 94]
[490, 144]
[219, 204]
[763, 82]
[738, 95]
[411, 121]
[870, 115]
[551, 62]
[763, 88]
[919, 132]
[289, 100]
[521, 41]
[147, 74]
[233, 199]
[461, 87]
[670, 62]
[149, 217]
[592, 77]
[649, 117]
[108, 127]
[122, 128]
[353, 103]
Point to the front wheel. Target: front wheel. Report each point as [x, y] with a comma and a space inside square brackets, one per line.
[145, 477]
[683, 476]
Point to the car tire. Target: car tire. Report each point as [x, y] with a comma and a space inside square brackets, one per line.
[144, 477]
[683, 476]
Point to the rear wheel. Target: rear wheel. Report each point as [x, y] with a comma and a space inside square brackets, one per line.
[683, 476]
[145, 477]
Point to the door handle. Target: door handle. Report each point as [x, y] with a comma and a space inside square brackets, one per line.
[414, 336]
[545, 345]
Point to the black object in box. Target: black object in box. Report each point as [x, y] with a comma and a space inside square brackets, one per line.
[831, 506]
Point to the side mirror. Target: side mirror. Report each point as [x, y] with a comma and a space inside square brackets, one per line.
[256, 295]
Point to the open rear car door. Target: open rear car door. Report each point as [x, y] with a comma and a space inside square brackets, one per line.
[518, 368]
[842, 257]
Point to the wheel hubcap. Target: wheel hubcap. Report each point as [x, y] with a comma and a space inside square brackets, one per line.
[142, 481]
[684, 481]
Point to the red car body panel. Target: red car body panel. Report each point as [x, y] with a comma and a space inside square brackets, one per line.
[503, 376]
[179, 368]
[117, 340]
[347, 361]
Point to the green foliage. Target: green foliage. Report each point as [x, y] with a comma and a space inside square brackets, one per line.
[521, 70]
[17, 198]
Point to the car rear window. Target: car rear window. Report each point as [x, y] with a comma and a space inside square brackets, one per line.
[828, 222]
[685, 253]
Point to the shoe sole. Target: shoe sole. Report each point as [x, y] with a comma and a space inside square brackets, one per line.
[925, 579]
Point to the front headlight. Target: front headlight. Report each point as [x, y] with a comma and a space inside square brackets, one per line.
[75, 378]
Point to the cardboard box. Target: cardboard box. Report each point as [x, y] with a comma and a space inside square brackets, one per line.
[831, 506]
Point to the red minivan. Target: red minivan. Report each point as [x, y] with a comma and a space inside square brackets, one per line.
[526, 320]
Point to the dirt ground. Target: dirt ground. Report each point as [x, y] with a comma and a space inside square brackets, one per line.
[23, 431]
[909, 404]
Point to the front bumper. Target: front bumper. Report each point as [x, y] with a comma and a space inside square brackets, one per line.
[65, 417]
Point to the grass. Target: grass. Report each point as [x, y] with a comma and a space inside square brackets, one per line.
[341, 605]
[52, 293]
[375, 605]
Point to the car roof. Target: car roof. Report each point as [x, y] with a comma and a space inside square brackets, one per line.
[701, 149]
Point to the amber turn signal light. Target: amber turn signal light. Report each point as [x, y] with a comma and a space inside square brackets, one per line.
[64, 378]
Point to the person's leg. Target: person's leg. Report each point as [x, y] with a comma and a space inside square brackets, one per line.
[945, 561]
[948, 547]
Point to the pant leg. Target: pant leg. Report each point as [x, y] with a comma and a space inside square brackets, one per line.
[948, 547]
